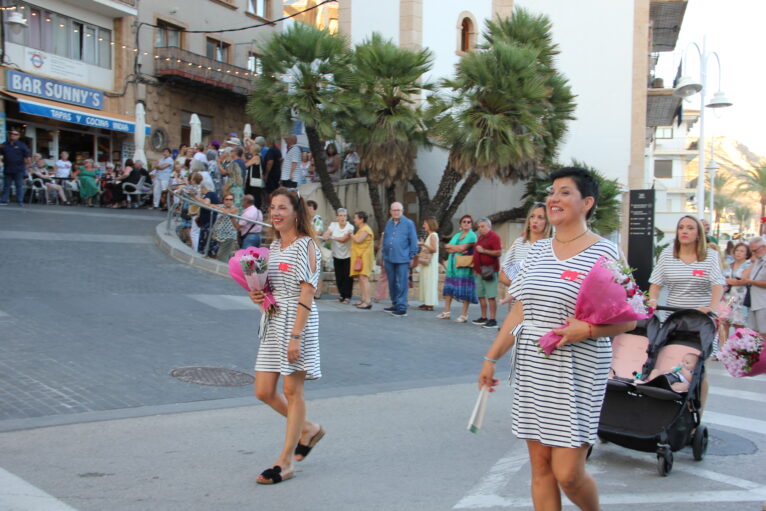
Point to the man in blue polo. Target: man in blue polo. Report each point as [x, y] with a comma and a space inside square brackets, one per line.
[400, 245]
[16, 158]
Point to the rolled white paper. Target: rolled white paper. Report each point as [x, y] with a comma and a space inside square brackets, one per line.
[477, 417]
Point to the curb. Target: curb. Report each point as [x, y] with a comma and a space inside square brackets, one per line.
[169, 243]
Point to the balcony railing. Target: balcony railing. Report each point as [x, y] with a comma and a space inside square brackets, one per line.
[201, 70]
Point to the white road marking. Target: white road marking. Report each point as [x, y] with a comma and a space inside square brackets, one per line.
[734, 421]
[738, 394]
[720, 371]
[486, 493]
[18, 495]
[74, 237]
[226, 302]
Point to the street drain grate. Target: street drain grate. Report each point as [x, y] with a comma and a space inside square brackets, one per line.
[214, 376]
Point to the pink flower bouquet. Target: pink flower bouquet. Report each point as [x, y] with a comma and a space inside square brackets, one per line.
[742, 355]
[249, 268]
[608, 295]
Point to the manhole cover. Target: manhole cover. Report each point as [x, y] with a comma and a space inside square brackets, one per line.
[721, 443]
[215, 376]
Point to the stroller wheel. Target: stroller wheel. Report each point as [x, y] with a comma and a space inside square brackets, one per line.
[699, 443]
[664, 462]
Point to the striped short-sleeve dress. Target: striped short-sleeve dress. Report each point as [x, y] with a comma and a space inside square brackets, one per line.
[557, 400]
[514, 259]
[287, 269]
[689, 285]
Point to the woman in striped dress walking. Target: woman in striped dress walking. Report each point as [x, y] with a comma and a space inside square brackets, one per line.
[290, 337]
[690, 270]
[557, 399]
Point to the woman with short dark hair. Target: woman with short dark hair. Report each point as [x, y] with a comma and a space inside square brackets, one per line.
[557, 399]
[459, 283]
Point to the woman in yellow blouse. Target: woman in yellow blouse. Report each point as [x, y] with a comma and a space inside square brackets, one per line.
[362, 257]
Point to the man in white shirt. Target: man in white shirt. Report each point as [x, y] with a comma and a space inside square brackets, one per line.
[161, 176]
[199, 153]
[251, 232]
[63, 165]
[291, 162]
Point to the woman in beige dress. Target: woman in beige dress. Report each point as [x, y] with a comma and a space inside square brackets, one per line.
[429, 273]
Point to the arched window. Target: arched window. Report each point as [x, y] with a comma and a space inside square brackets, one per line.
[466, 30]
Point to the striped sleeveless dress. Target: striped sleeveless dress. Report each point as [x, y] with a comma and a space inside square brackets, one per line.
[287, 269]
[557, 400]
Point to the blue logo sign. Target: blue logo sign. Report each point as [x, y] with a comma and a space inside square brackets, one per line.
[54, 90]
[95, 121]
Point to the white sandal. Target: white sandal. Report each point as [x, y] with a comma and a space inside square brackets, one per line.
[443, 315]
[461, 319]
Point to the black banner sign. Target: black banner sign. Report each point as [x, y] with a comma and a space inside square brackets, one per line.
[641, 235]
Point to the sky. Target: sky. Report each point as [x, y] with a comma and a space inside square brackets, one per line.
[734, 30]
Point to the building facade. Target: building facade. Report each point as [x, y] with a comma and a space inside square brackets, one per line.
[606, 52]
[74, 71]
[192, 64]
[62, 63]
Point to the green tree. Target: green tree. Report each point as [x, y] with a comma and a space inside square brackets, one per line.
[503, 114]
[742, 214]
[386, 120]
[754, 181]
[303, 72]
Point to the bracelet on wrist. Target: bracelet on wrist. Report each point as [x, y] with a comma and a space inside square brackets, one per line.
[493, 360]
[294, 336]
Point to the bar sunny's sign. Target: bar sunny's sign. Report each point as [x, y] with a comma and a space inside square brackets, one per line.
[54, 90]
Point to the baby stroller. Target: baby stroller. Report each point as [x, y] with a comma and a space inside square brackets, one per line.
[642, 408]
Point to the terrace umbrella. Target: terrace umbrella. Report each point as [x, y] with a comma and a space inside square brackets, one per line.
[195, 135]
[139, 135]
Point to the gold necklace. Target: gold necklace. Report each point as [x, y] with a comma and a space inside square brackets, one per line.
[576, 237]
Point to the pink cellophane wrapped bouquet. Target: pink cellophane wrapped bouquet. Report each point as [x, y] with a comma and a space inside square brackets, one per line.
[249, 268]
[742, 355]
[608, 295]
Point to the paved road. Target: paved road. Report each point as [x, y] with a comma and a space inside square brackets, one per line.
[94, 317]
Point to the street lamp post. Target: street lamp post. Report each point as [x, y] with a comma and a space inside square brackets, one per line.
[686, 87]
[712, 168]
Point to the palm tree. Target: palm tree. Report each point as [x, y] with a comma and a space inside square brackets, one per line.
[504, 112]
[303, 69]
[754, 181]
[721, 201]
[386, 121]
[742, 214]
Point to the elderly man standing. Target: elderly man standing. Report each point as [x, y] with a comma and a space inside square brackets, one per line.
[486, 265]
[755, 277]
[400, 245]
[250, 231]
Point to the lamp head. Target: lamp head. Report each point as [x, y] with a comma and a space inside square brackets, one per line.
[719, 101]
[686, 87]
[16, 21]
[712, 166]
